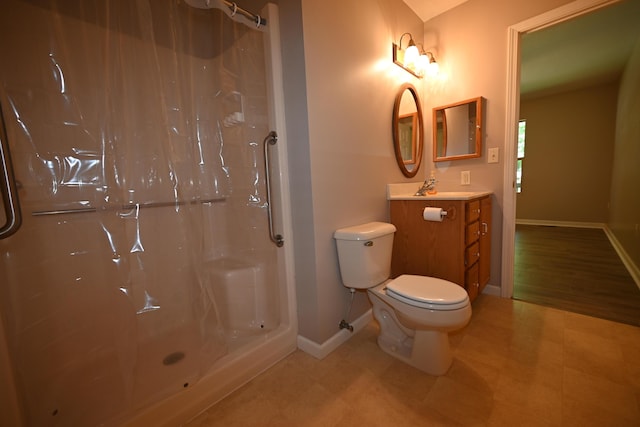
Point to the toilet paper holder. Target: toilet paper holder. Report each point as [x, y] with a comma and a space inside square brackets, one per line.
[448, 213]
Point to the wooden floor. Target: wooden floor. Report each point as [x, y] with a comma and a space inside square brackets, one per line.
[574, 269]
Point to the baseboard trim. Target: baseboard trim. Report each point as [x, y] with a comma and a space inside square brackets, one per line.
[492, 290]
[573, 224]
[320, 351]
[632, 268]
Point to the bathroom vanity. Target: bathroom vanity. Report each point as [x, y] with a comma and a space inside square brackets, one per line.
[457, 249]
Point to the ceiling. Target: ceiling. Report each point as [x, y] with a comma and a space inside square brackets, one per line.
[427, 9]
[587, 50]
[584, 51]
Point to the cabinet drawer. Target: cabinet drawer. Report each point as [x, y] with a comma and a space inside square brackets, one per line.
[472, 281]
[472, 254]
[472, 233]
[472, 211]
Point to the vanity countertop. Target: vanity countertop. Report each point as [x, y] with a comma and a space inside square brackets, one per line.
[406, 191]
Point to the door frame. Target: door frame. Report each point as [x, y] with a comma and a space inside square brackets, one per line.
[514, 32]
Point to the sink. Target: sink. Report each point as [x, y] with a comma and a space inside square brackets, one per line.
[406, 191]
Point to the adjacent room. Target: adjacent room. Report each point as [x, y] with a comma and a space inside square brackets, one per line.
[567, 255]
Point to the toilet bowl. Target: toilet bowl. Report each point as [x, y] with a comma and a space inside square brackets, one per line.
[415, 313]
[415, 328]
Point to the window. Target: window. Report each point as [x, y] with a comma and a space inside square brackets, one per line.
[522, 126]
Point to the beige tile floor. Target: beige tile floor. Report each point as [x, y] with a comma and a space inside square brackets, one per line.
[515, 364]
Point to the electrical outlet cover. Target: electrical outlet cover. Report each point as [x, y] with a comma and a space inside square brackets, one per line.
[465, 177]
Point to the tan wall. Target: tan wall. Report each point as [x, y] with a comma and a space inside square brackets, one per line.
[568, 155]
[351, 85]
[625, 195]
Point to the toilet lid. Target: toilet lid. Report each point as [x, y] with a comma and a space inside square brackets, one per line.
[428, 292]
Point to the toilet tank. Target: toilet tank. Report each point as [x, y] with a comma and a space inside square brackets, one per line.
[364, 254]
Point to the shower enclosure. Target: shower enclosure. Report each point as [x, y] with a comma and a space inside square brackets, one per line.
[143, 268]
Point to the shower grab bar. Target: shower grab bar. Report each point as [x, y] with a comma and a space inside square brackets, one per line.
[125, 207]
[270, 139]
[8, 186]
[257, 19]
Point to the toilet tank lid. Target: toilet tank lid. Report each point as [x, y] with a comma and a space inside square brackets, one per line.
[367, 231]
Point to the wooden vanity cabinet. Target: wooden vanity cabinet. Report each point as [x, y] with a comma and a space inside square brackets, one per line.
[457, 249]
[485, 242]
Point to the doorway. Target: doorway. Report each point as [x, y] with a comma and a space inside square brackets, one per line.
[516, 33]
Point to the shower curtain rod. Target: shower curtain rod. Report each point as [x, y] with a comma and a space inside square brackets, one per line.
[237, 9]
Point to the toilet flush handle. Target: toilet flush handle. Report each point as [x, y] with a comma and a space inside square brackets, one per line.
[368, 243]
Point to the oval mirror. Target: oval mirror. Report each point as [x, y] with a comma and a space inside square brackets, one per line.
[408, 130]
[457, 130]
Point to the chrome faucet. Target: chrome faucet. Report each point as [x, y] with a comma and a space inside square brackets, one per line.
[428, 185]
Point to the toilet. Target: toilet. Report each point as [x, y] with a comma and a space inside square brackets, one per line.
[415, 313]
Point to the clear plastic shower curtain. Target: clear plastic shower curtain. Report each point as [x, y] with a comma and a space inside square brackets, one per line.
[135, 130]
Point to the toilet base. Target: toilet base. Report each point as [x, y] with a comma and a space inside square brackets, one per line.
[425, 349]
[431, 352]
[428, 351]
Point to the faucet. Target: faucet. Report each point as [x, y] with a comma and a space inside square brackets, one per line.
[428, 186]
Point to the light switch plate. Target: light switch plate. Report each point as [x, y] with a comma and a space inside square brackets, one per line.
[493, 155]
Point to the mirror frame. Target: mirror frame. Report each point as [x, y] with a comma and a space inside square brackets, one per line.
[419, 137]
[478, 131]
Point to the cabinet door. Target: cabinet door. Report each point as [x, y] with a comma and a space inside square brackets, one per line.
[471, 282]
[424, 247]
[485, 241]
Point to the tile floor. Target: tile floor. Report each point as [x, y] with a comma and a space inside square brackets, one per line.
[514, 364]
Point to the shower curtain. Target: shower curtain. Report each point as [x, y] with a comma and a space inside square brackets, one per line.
[135, 129]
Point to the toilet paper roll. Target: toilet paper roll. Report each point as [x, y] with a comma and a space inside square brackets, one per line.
[433, 214]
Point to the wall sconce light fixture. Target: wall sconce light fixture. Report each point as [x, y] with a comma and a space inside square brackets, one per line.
[428, 64]
[415, 61]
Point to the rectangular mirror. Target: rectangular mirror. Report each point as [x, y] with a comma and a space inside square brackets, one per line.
[457, 130]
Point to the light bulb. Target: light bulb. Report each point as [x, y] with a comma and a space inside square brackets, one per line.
[433, 68]
[411, 55]
[422, 64]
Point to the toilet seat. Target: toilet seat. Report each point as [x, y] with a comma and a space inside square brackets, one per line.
[427, 292]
